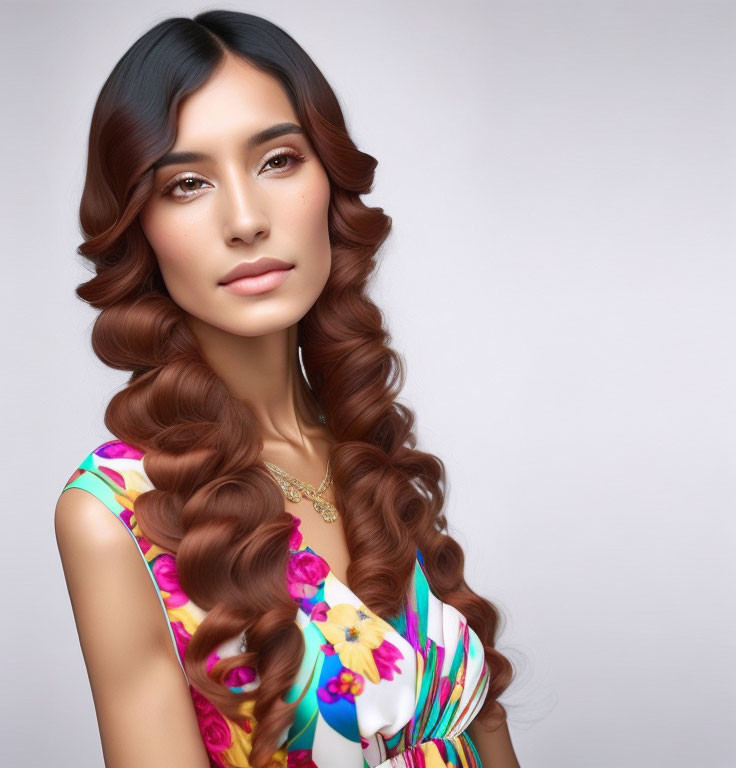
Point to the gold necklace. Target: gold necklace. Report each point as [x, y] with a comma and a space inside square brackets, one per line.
[295, 490]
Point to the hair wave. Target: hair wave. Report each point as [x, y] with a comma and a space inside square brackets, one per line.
[214, 504]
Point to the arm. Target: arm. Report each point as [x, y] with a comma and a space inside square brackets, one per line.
[144, 709]
[494, 747]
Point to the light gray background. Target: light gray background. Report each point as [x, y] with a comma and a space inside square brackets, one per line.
[560, 281]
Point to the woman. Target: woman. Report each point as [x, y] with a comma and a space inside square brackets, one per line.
[314, 607]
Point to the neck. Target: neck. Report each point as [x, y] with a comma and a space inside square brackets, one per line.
[264, 372]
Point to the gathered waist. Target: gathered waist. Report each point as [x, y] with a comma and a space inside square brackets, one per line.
[453, 751]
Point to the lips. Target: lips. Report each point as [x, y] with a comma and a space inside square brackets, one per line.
[254, 268]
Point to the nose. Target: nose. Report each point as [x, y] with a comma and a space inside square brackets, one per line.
[245, 217]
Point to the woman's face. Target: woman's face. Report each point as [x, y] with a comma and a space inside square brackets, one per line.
[242, 199]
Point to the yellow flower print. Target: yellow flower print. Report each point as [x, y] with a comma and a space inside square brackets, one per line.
[355, 633]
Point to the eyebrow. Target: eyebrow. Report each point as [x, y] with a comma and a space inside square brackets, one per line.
[272, 132]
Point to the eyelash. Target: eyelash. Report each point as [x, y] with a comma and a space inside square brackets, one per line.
[166, 191]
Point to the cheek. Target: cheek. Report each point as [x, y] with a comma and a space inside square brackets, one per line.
[313, 228]
[315, 204]
[320, 251]
[176, 250]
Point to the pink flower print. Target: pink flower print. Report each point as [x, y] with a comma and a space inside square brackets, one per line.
[116, 477]
[295, 540]
[319, 611]
[236, 677]
[212, 659]
[304, 574]
[412, 627]
[240, 676]
[212, 725]
[445, 690]
[181, 636]
[345, 685]
[300, 758]
[385, 657]
[117, 449]
[164, 569]
[126, 516]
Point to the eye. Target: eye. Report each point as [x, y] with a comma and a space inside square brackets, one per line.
[282, 155]
[177, 184]
[183, 183]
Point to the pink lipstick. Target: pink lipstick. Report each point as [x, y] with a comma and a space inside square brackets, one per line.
[251, 277]
[248, 286]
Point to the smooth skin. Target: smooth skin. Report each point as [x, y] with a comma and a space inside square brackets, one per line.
[144, 709]
[203, 218]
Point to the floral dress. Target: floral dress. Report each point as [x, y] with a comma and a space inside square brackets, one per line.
[377, 692]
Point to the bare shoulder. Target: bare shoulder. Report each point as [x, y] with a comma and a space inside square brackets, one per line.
[83, 524]
[104, 571]
[142, 701]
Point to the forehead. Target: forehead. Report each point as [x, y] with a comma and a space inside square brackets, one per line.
[237, 100]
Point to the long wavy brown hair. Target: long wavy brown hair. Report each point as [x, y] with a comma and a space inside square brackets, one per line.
[215, 505]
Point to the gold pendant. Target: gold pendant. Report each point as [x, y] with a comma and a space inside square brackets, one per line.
[295, 490]
[326, 509]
